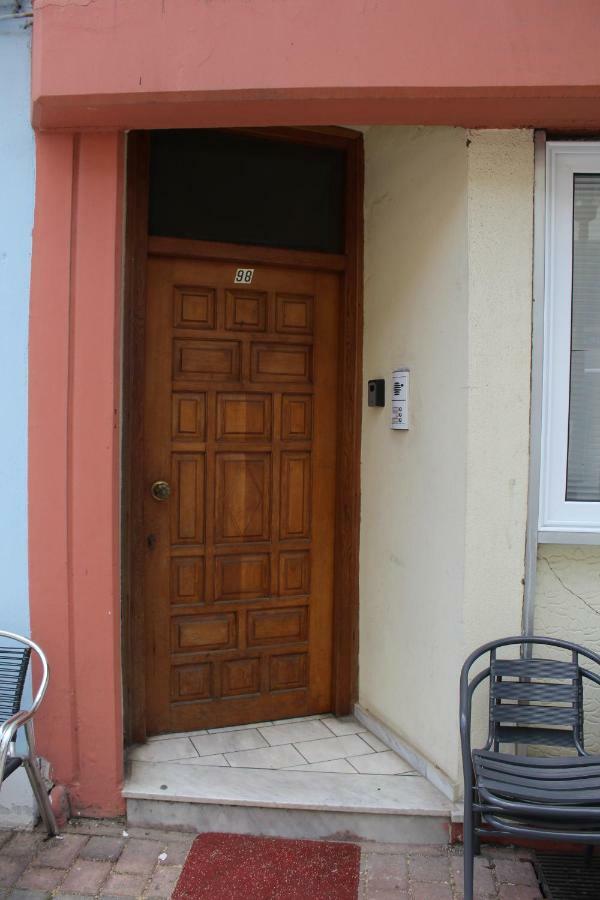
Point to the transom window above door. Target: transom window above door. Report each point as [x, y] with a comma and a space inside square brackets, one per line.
[570, 459]
[243, 188]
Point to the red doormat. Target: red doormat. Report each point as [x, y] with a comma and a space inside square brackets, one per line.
[240, 867]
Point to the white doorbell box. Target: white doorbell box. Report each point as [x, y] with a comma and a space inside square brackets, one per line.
[400, 390]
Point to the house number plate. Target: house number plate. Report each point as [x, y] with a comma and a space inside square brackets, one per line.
[244, 276]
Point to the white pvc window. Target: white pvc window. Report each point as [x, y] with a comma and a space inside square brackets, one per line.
[570, 465]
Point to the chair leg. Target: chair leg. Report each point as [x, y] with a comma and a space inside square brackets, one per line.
[468, 848]
[39, 788]
[476, 837]
[41, 795]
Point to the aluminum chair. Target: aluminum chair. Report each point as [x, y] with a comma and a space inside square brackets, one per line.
[533, 701]
[14, 663]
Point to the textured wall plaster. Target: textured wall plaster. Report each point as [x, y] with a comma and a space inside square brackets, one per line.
[567, 605]
[500, 247]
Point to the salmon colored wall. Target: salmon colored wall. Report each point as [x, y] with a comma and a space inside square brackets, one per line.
[136, 63]
[73, 461]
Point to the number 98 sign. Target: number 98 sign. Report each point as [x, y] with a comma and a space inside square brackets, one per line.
[243, 276]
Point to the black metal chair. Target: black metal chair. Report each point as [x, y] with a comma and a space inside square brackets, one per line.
[14, 663]
[534, 701]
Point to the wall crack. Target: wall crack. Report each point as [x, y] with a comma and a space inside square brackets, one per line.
[568, 589]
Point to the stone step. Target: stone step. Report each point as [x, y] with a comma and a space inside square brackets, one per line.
[403, 809]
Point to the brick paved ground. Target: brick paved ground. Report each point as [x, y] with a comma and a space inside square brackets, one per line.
[95, 859]
[435, 873]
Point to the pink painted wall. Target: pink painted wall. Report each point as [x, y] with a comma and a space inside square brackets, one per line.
[136, 63]
[73, 461]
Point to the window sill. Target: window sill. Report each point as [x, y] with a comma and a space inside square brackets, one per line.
[547, 536]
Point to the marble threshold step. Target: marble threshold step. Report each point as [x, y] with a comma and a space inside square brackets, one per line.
[283, 803]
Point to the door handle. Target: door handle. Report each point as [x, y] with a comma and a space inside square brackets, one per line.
[161, 490]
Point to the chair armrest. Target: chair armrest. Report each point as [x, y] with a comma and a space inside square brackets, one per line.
[8, 729]
[467, 689]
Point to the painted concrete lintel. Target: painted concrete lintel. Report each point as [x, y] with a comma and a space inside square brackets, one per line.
[249, 108]
[422, 765]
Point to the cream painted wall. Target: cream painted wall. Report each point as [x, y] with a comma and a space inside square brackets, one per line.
[414, 482]
[567, 605]
[448, 236]
[500, 225]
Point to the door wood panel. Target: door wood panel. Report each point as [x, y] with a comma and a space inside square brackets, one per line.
[240, 412]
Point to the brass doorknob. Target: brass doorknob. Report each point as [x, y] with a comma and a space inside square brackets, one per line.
[161, 490]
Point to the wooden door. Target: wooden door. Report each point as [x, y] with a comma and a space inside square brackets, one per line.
[240, 405]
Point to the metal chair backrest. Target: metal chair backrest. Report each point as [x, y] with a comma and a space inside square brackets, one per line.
[533, 699]
[14, 662]
[536, 702]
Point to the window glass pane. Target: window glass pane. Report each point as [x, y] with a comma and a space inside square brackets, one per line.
[239, 189]
[583, 468]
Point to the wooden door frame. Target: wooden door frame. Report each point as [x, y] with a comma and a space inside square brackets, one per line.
[347, 519]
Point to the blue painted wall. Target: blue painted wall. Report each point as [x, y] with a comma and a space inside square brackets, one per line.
[16, 220]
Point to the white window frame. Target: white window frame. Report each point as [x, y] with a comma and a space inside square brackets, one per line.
[560, 520]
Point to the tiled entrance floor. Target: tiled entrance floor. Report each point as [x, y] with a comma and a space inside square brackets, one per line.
[313, 744]
[314, 777]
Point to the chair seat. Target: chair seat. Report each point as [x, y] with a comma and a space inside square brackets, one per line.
[11, 765]
[567, 782]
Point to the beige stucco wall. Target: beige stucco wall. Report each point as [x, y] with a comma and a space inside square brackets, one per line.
[567, 605]
[448, 234]
[500, 224]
